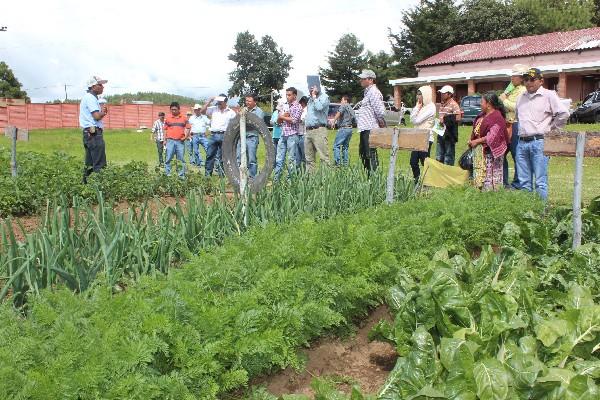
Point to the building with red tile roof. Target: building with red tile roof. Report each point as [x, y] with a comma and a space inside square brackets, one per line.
[570, 62]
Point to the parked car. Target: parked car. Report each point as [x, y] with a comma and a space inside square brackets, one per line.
[589, 110]
[470, 107]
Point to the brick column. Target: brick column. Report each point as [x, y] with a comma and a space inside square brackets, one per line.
[562, 85]
[471, 87]
[397, 96]
[434, 92]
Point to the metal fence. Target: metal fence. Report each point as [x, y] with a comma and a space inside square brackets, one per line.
[50, 116]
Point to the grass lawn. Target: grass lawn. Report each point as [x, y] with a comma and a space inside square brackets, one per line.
[124, 145]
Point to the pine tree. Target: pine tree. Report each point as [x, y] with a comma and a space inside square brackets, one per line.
[345, 63]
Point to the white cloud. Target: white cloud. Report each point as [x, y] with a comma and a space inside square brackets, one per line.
[158, 46]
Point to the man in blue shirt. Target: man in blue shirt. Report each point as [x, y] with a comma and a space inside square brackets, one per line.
[251, 136]
[315, 139]
[90, 120]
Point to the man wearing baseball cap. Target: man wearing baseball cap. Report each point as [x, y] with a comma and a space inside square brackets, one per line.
[90, 121]
[199, 125]
[539, 111]
[509, 98]
[449, 116]
[370, 116]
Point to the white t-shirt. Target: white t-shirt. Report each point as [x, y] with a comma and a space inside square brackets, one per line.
[199, 123]
[220, 119]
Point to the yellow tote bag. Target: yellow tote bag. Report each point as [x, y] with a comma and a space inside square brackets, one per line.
[441, 175]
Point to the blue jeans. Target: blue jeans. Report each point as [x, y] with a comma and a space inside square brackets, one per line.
[300, 156]
[198, 140]
[342, 142]
[512, 149]
[445, 150]
[215, 145]
[251, 149]
[175, 148]
[287, 145]
[533, 164]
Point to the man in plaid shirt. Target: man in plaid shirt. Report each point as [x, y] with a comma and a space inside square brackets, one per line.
[158, 135]
[289, 135]
[369, 116]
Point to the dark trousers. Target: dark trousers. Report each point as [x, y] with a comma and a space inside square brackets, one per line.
[95, 152]
[512, 149]
[368, 155]
[417, 157]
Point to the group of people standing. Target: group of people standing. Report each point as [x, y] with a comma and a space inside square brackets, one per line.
[515, 123]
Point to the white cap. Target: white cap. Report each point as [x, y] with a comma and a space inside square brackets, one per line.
[95, 80]
[447, 89]
[519, 70]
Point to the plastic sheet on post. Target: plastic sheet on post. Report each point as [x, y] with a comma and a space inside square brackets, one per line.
[441, 175]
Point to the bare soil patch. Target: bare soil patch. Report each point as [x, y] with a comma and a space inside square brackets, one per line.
[354, 360]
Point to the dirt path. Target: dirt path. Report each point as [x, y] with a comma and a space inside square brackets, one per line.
[354, 360]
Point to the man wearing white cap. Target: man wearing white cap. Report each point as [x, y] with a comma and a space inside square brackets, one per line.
[449, 116]
[90, 120]
[199, 124]
[370, 116]
[509, 98]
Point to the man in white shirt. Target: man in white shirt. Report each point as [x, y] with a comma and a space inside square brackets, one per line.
[220, 115]
[90, 121]
[199, 125]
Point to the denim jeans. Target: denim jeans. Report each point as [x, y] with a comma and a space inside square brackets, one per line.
[188, 149]
[300, 155]
[287, 145]
[512, 149]
[159, 149]
[215, 145]
[341, 145]
[445, 150]
[533, 167]
[251, 150]
[175, 148]
[199, 139]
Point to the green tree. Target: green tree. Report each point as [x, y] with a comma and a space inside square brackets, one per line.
[429, 28]
[10, 86]
[558, 15]
[502, 21]
[260, 66]
[345, 63]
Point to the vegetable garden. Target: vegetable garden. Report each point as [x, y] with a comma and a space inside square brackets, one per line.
[489, 300]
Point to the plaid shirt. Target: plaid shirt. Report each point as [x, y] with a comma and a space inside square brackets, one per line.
[292, 128]
[158, 130]
[371, 109]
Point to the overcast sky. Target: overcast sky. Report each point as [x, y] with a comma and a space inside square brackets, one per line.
[182, 49]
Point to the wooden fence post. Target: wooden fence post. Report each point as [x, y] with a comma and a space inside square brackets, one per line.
[579, 151]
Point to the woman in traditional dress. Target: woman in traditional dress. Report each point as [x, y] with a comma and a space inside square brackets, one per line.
[489, 142]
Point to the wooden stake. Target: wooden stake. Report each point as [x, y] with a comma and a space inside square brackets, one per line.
[389, 197]
[243, 166]
[579, 153]
[12, 132]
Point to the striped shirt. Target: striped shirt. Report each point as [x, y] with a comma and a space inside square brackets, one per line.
[371, 109]
[292, 128]
[158, 130]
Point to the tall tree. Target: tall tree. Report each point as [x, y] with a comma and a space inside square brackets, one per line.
[484, 20]
[345, 63]
[429, 28]
[558, 15]
[9, 85]
[260, 66]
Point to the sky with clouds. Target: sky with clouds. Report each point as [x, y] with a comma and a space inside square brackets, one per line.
[176, 47]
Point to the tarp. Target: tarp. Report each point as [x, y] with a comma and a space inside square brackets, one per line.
[441, 175]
